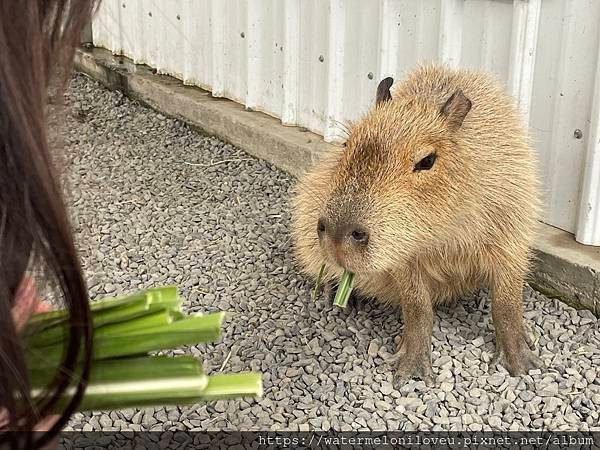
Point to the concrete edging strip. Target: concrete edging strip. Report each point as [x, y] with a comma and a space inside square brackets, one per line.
[564, 269]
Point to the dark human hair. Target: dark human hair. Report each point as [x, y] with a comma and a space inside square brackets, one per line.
[37, 42]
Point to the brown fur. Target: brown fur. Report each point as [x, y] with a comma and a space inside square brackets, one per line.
[436, 234]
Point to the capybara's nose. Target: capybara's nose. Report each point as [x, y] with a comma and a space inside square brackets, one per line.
[345, 231]
[321, 228]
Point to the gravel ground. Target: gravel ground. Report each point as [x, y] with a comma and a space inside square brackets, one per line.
[155, 202]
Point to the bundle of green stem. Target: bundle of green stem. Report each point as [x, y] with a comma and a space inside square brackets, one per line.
[342, 295]
[123, 373]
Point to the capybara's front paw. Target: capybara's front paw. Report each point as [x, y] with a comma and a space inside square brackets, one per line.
[412, 365]
[517, 357]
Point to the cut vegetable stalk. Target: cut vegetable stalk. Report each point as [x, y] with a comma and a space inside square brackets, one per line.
[187, 331]
[318, 283]
[151, 381]
[58, 332]
[139, 382]
[344, 289]
[169, 391]
[165, 296]
[123, 369]
[222, 387]
[139, 324]
[159, 297]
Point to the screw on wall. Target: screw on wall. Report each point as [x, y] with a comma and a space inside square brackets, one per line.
[178, 17]
[577, 134]
[370, 75]
[321, 58]
[243, 35]
[123, 5]
[150, 13]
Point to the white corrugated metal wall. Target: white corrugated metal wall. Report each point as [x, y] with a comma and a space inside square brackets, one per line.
[316, 64]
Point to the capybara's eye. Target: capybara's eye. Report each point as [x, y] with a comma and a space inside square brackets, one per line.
[426, 163]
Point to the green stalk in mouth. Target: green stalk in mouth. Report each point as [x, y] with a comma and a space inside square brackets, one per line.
[318, 283]
[344, 289]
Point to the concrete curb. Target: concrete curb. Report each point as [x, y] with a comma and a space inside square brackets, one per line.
[260, 135]
[565, 269]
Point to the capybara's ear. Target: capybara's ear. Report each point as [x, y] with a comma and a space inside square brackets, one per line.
[456, 109]
[383, 90]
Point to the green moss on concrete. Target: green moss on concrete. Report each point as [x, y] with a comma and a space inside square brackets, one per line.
[554, 294]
